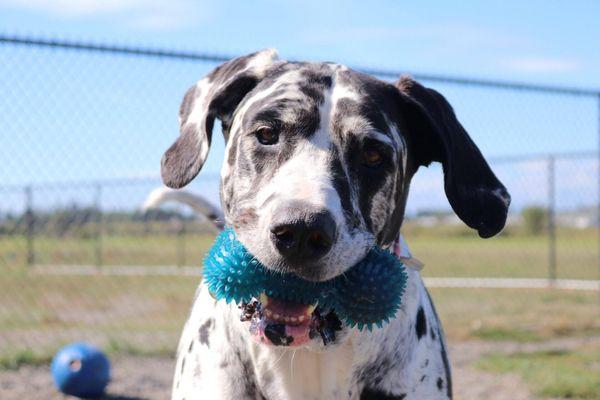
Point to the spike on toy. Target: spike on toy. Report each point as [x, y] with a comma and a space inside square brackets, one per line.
[366, 295]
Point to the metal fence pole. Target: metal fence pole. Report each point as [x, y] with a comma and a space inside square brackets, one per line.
[598, 200]
[30, 225]
[181, 242]
[99, 231]
[551, 219]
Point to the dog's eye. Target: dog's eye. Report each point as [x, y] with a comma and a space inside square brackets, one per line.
[371, 157]
[266, 135]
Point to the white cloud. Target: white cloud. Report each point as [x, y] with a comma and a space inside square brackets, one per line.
[144, 14]
[447, 37]
[542, 64]
[74, 8]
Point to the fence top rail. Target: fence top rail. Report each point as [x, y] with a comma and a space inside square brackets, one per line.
[210, 57]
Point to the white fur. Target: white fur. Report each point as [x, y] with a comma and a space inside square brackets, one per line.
[306, 177]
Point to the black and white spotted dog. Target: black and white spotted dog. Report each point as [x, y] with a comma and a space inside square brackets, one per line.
[316, 171]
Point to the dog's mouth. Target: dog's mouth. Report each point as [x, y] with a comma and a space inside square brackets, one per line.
[283, 323]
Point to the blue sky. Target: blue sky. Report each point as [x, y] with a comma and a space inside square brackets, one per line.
[74, 116]
[543, 41]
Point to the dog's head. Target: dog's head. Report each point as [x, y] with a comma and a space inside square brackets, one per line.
[317, 169]
[319, 159]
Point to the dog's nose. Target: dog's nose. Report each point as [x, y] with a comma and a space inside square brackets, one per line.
[304, 238]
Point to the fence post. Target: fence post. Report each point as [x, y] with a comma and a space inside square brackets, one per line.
[598, 199]
[30, 225]
[551, 219]
[99, 231]
[181, 241]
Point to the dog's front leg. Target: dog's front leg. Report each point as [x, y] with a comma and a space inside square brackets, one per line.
[212, 361]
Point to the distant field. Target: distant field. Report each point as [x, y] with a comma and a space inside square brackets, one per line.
[145, 313]
[517, 315]
[452, 255]
[511, 257]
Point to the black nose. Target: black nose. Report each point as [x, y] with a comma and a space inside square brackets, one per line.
[304, 238]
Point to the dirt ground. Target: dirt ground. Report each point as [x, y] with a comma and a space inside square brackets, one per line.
[149, 378]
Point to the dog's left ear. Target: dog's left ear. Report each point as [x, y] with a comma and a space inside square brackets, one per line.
[474, 192]
[215, 96]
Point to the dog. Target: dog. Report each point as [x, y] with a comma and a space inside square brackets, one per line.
[317, 168]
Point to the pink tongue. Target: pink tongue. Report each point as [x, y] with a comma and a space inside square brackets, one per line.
[286, 308]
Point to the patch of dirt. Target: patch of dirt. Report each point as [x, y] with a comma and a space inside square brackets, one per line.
[470, 383]
[149, 378]
[133, 378]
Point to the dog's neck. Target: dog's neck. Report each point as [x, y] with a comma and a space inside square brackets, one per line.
[305, 374]
[332, 370]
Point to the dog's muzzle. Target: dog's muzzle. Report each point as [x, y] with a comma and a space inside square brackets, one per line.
[284, 323]
[301, 235]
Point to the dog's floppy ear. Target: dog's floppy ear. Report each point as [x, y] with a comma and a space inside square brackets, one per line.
[474, 192]
[216, 95]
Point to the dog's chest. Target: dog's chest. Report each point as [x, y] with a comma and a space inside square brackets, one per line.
[302, 374]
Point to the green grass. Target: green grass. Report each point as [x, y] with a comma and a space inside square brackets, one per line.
[15, 358]
[518, 315]
[511, 257]
[553, 374]
[452, 253]
[145, 314]
[39, 313]
[11, 359]
[153, 249]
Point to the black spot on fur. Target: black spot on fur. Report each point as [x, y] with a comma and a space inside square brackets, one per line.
[204, 332]
[443, 348]
[191, 347]
[248, 378]
[373, 394]
[182, 365]
[373, 374]
[421, 324]
[446, 369]
[342, 186]
[432, 334]
[440, 383]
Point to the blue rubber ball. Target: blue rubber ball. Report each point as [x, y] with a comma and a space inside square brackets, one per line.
[81, 370]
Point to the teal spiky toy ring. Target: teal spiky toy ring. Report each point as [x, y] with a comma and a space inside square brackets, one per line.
[367, 294]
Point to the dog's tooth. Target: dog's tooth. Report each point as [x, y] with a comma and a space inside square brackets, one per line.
[264, 299]
[287, 320]
[310, 309]
[268, 313]
[301, 318]
[276, 316]
[293, 319]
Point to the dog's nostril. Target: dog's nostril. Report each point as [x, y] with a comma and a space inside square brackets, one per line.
[284, 234]
[304, 238]
[319, 241]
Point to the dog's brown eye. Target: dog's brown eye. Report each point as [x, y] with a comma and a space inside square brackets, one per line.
[371, 157]
[266, 135]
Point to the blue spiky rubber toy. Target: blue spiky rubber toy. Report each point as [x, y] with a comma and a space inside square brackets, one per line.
[367, 294]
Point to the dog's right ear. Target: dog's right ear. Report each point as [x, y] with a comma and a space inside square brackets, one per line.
[216, 95]
[474, 192]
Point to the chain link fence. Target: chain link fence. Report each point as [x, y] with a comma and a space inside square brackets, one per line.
[82, 131]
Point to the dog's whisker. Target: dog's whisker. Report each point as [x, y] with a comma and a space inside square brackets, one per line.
[292, 364]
